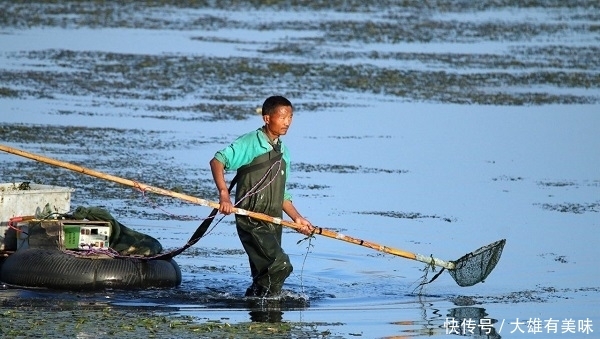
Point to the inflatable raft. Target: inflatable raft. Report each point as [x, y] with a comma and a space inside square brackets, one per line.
[55, 269]
[55, 257]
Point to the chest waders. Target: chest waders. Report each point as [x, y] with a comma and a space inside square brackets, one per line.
[269, 265]
[263, 181]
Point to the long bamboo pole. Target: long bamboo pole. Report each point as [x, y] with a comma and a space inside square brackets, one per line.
[203, 202]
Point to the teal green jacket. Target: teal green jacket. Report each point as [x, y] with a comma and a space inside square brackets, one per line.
[247, 147]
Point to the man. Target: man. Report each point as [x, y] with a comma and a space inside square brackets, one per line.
[263, 164]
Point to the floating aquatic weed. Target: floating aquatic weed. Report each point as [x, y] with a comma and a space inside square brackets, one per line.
[170, 77]
[304, 167]
[557, 183]
[507, 178]
[577, 208]
[405, 215]
[558, 258]
[9, 93]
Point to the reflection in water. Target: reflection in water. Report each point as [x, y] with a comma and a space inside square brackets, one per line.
[264, 310]
[266, 316]
[470, 321]
[267, 310]
[463, 321]
[428, 325]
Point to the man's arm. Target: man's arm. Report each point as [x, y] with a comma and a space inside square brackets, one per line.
[218, 172]
[292, 212]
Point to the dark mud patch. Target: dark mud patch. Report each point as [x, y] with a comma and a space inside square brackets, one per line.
[406, 215]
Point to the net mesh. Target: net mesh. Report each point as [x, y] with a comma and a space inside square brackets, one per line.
[474, 267]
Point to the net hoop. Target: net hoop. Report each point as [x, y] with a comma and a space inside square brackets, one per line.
[474, 267]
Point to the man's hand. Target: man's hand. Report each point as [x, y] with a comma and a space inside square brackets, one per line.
[218, 173]
[290, 210]
[225, 205]
[307, 228]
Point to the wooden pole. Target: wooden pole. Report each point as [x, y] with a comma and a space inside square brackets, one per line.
[203, 202]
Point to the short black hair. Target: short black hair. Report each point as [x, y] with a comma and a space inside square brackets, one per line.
[271, 104]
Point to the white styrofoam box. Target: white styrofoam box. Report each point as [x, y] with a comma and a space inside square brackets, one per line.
[25, 199]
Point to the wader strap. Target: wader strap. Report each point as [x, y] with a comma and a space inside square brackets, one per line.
[251, 168]
[199, 233]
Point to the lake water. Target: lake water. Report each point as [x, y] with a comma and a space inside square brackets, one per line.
[436, 128]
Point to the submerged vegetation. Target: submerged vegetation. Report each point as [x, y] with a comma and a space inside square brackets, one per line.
[108, 322]
[319, 61]
[114, 77]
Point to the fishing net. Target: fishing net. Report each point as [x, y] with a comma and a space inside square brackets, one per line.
[474, 267]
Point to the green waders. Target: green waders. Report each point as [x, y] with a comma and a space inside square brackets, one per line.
[261, 190]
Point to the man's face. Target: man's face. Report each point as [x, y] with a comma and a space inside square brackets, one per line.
[279, 122]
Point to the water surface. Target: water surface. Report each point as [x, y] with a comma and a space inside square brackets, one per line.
[435, 128]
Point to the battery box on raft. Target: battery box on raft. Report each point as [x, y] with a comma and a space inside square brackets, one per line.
[65, 234]
[88, 235]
